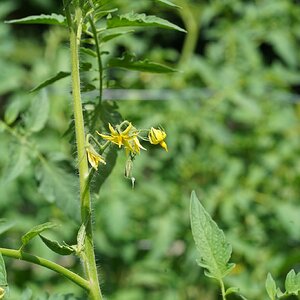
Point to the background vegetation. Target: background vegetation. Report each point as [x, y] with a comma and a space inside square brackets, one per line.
[232, 118]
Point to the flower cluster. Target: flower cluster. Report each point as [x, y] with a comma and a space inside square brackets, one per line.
[127, 136]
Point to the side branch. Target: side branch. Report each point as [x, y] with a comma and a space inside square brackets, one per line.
[47, 264]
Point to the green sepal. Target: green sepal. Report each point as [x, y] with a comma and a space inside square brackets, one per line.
[128, 61]
[36, 230]
[141, 20]
[56, 247]
[58, 76]
[53, 19]
[271, 287]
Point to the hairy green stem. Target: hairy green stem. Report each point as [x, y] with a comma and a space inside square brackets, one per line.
[88, 255]
[47, 264]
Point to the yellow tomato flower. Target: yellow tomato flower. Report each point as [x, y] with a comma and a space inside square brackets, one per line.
[133, 145]
[116, 136]
[157, 136]
[94, 158]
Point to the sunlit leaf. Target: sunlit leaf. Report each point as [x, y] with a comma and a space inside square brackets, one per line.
[214, 250]
[141, 20]
[35, 231]
[58, 76]
[292, 282]
[53, 19]
[129, 62]
[57, 247]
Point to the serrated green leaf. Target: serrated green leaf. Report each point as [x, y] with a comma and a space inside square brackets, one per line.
[169, 3]
[58, 76]
[36, 117]
[210, 241]
[53, 19]
[292, 282]
[56, 247]
[271, 287]
[128, 62]
[35, 231]
[141, 20]
[60, 187]
[18, 162]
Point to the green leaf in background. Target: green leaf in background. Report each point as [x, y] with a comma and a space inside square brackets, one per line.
[169, 3]
[271, 287]
[211, 243]
[59, 186]
[129, 62]
[12, 112]
[3, 278]
[141, 20]
[4, 225]
[56, 247]
[37, 115]
[18, 162]
[58, 76]
[35, 231]
[292, 282]
[53, 19]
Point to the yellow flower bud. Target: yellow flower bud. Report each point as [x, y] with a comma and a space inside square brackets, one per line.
[94, 157]
[157, 136]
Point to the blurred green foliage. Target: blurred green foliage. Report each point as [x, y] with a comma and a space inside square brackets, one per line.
[233, 137]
